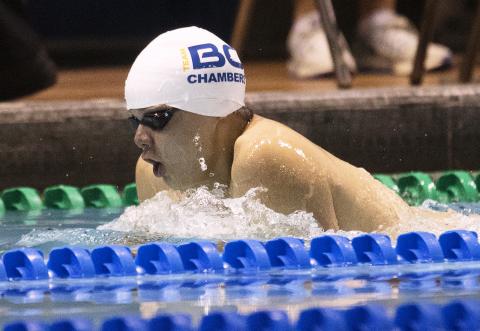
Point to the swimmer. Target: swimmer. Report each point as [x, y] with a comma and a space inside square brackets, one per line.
[185, 95]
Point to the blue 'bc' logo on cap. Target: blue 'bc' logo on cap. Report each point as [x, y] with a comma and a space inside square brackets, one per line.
[209, 56]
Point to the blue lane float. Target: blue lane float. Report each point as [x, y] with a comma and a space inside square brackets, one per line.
[159, 258]
[25, 264]
[368, 317]
[328, 251]
[201, 256]
[268, 320]
[460, 245]
[419, 317]
[176, 322]
[332, 251]
[375, 249]
[321, 319]
[129, 323]
[71, 262]
[26, 326]
[223, 321]
[418, 247]
[289, 253]
[114, 260]
[74, 324]
[246, 254]
[463, 315]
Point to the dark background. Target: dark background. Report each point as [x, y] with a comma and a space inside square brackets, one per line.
[102, 32]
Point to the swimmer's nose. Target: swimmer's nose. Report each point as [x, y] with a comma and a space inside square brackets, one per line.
[142, 138]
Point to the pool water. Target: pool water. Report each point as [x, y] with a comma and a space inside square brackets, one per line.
[49, 228]
[199, 214]
[217, 219]
[199, 294]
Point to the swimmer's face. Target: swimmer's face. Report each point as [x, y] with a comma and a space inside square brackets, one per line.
[182, 151]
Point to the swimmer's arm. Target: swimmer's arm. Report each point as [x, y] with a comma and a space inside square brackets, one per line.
[291, 185]
[147, 184]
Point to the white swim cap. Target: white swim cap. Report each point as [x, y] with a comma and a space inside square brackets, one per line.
[190, 69]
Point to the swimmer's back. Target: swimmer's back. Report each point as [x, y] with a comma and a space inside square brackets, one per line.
[303, 176]
[292, 169]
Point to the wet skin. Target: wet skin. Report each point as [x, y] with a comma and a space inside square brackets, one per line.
[297, 174]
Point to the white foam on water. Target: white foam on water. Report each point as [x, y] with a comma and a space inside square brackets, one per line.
[423, 218]
[209, 214]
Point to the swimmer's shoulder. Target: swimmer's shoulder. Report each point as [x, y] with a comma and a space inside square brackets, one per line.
[258, 139]
[259, 123]
[261, 131]
[264, 138]
[259, 158]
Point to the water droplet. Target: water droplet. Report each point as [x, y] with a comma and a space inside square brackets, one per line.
[203, 165]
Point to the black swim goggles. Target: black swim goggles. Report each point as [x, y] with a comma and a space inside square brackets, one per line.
[155, 120]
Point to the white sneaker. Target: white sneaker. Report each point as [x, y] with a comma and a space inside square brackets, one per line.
[309, 51]
[388, 42]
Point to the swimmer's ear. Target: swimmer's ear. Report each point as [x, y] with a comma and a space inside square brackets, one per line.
[244, 113]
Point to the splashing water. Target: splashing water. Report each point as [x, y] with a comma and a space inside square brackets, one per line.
[436, 218]
[209, 214]
[206, 214]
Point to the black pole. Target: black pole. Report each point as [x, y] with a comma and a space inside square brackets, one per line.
[468, 61]
[426, 34]
[335, 42]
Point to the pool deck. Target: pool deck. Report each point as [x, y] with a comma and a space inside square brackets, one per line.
[108, 82]
[79, 124]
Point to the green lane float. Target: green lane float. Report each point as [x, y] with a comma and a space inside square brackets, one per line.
[22, 199]
[130, 196]
[2, 207]
[413, 187]
[416, 187]
[477, 181]
[387, 181]
[101, 196]
[456, 186]
[63, 197]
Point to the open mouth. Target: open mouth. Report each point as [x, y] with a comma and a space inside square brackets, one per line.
[158, 167]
